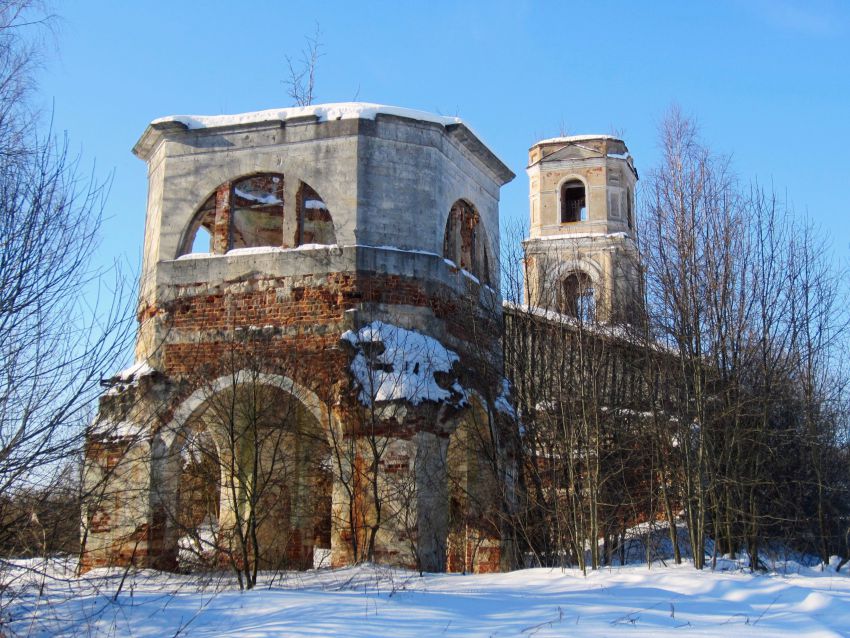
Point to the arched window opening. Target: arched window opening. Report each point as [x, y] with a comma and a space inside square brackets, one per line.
[577, 297]
[249, 213]
[573, 202]
[257, 211]
[629, 213]
[203, 241]
[199, 239]
[315, 225]
[464, 242]
[244, 213]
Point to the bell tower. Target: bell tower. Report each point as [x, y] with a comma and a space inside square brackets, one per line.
[581, 257]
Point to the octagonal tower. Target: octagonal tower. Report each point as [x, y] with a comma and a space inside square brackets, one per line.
[319, 309]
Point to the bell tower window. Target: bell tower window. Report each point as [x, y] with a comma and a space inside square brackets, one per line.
[573, 202]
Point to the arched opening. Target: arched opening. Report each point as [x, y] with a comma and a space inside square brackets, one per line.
[629, 212]
[578, 297]
[315, 225]
[255, 481]
[573, 202]
[249, 213]
[473, 542]
[202, 242]
[465, 243]
[257, 211]
[199, 236]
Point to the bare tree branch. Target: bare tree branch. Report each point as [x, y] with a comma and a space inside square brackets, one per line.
[302, 73]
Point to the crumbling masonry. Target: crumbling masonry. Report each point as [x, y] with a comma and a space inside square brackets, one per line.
[318, 370]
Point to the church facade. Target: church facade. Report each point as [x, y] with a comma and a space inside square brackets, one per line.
[319, 376]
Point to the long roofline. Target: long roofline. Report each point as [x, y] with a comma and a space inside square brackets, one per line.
[454, 126]
[576, 138]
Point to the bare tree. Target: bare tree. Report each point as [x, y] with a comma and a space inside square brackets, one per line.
[254, 482]
[301, 83]
[57, 334]
[385, 467]
[739, 289]
[574, 380]
[720, 398]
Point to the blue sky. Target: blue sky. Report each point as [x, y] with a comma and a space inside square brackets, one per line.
[769, 80]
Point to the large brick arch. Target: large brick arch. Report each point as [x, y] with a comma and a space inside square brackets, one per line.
[165, 438]
[296, 501]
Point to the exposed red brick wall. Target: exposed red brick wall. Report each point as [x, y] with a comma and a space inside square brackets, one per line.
[293, 326]
[300, 326]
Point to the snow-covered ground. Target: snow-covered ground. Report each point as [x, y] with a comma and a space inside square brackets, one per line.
[374, 601]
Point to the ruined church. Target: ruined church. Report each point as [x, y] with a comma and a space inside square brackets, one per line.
[319, 376]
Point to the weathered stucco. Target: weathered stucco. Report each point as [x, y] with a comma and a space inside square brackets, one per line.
[600, 247]
[216, 327]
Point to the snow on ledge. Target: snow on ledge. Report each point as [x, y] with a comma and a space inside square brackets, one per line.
[119, 382]
[399, 250]
[576, 138]
[138, 369]
[324, 112]
[117, 429]
[394, 364]
[588, 235]
[253, 250]
[259, 250]
[190, 256]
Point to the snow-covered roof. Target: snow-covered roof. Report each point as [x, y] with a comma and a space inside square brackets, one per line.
[614, 148]
[576, 138]
[623, 332]
[324, 112]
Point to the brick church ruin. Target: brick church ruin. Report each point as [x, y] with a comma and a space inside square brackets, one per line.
[319, 376]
